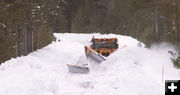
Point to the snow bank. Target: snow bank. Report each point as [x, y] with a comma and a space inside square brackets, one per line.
[129, 71]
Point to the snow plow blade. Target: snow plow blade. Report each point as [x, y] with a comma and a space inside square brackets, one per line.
[93, 56]
[84, 69]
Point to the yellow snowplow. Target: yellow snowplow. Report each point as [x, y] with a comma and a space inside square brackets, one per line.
[97, 52]
[104, 46]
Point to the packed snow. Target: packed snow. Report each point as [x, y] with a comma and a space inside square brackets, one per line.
[128, 71]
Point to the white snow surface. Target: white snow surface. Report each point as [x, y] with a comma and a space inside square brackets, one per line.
[128, 71]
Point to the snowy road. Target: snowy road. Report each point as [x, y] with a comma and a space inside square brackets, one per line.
[129, 71]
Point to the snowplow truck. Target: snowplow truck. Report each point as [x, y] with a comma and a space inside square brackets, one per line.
[100, 48]
[95, 53]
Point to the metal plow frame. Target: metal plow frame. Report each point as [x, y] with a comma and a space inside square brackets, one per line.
[93, 56]
[78, 69]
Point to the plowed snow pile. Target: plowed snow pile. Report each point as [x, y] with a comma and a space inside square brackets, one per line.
[129, 71]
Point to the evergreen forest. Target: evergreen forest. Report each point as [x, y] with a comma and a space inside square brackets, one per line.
[27, 25]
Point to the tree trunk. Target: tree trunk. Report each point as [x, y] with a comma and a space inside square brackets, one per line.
[156, 24]
[69, 25]
[173, 22]
[37, 40]
[32, 40]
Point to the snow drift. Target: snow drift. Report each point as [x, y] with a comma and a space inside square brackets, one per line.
[129, 71]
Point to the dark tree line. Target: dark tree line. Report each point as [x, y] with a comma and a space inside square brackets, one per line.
[24, 27]
[27, 25]
[151, 21]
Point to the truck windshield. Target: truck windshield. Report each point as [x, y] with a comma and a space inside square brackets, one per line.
[105, 45]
